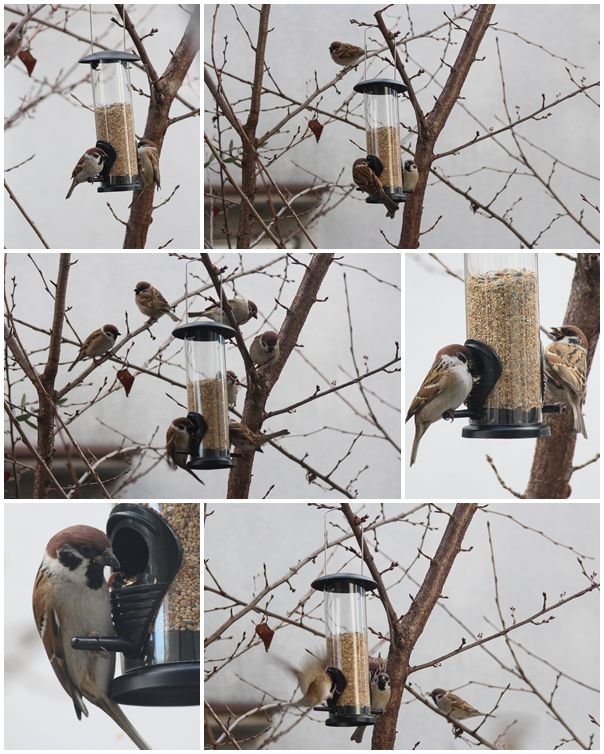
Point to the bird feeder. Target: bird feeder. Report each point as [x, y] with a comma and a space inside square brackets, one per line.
[347, 645]
[502, 312]
[205, 359]
[383, 135]
[155, 604]
[114, 118]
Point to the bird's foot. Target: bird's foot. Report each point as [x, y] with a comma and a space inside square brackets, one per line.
[101, 650]
[449, 415]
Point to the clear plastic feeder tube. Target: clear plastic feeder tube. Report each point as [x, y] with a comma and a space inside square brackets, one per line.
[502, 310]
[114, 114]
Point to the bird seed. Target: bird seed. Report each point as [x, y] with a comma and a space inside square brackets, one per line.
[384, 143]
[349, 653]
[115, 124]
[209, 398]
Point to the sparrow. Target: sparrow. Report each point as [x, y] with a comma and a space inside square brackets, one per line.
[178, 442]
[89, 166]
[242, 438]
[345, 54]
[318, 682]
[97, 343]
[243, 310]
[148, 163]
[265, 348]
[379, 686]
[232, 388]
[368, 182]
[151, 303]
[71, 598]
[566, 370]
[447, 385]
[454, 706]
[12, 47]
[410, 175]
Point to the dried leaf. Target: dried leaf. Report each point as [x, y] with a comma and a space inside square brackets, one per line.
[28, 60]
[316, 128]
[215, 211]
[265, 633]
[126, 379]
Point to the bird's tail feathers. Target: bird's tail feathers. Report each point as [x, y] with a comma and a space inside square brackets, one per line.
[419, 433]
[116, 714]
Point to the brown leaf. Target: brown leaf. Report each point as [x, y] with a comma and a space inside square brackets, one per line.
[316, 128]
[265, 633]
[28, 60]
[126, 379]
[215, 211]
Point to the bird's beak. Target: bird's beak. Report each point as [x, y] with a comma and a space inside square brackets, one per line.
[554, 333]
[109, 559]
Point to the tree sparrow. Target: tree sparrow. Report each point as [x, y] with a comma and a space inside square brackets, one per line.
[151, 303]
[318, 682]
[410, 175]
[70, 599]
[447, 385]
[379, 686]
[97, 343]
[13, 44]
[148, 163]
[232, 388]
[345, 54]
[89, 166]
[265, 348]
[178, 442]
[242, 438]
[454, 706]
[566, 370]
[367, 181]
[243, 310]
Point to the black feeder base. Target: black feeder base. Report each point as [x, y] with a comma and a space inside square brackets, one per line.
[136, 186]
[349, 721]
[396, 197]
[210, 463]
[486, 432]
[170, 685]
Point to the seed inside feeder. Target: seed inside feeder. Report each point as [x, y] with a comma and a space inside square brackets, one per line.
[115, 124]
[348, 652]
[502, 311]
[208, 398]
[384, 143]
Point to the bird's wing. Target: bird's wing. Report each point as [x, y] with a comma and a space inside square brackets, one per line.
[568, 363]
[436, 382]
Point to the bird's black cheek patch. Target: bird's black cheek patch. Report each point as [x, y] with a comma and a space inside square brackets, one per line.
[69, 559]
[94, 575]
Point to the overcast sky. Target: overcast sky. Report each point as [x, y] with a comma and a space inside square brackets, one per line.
[527, 565]
[59, 130]
[101, 291]
[449, 466]
[297, 47]
[31, 690]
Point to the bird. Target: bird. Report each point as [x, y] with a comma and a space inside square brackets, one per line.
[148, 163]
[13, 45]
[71, 598]
[243, 310]
[243, 438]
[447, 385]
[565, 362]
[232, 388]
[410, 175]
[97, 343]
[88, 167]
[345, 54]
[379, 686]
[454, 706]
[151, 302]
[368, 182]
[265, 348]
[178, 442]
[318, 682]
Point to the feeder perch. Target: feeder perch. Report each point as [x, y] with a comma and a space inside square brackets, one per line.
[383, 135]
[114, 118]
[347, 645]
[154, 604]
[502, 312]
[485, 368]
[205, 359]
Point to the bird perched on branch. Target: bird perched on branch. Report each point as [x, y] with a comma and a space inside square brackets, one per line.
[454, 705]
[13, 45]
[148, 163]
[87, 168]
[565, 362]
[242, 437]
[318, 682]
[368, 182]
[410, 175]
[446, 386]
[243, 310]
[379, 687]
[71, 598]
[151, 302]
[232, 388]
[265, 348]
[97, 343]
[345, 54]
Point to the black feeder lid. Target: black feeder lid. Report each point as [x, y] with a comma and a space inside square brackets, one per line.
[170, 685]
[203, 330]
[338, 582]
[109, 56]
[378, 86]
